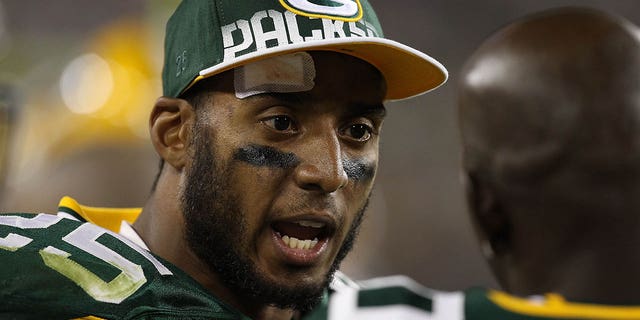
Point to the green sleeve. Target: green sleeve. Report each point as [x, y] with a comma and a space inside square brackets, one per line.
[57, 268]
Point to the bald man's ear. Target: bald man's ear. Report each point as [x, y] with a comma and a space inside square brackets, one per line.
[170, 127]
[488, 216]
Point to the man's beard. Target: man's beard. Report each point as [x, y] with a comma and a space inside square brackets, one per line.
[215, 230]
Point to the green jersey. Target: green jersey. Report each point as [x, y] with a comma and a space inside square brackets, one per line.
[59, 268]
[399, 297]
[77, 265]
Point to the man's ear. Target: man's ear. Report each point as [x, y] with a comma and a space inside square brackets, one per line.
[170, 128]
[488, 215]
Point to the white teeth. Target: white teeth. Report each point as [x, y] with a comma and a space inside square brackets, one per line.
[295, 243]
[312, 224]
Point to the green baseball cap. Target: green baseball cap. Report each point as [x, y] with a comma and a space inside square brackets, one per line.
[207, 37]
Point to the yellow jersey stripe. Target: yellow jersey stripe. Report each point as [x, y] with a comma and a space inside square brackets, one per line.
[557, 307]
[108, 218]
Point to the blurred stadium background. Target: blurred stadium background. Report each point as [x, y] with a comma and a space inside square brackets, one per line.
[78, 78]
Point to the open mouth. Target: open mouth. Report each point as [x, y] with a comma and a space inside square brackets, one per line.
[302, 234]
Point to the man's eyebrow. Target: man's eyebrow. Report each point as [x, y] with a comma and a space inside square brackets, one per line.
[286, 97]
[296, 99]
[370, 110]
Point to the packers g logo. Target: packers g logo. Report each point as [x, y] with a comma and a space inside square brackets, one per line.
[345, 10]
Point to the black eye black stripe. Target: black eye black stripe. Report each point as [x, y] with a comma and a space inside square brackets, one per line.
[264, 156]
[357, 170]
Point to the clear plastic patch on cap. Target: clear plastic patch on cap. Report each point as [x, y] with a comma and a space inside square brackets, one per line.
[293, 72]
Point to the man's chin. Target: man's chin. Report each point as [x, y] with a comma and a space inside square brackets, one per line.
[301, 293]
[300, 299]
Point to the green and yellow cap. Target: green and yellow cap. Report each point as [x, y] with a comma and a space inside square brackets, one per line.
[207, 37]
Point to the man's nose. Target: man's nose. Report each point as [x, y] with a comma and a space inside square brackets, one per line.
[321, 168]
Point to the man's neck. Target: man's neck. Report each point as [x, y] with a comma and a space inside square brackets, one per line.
[161, 227]
[589, 276]
[194, 267]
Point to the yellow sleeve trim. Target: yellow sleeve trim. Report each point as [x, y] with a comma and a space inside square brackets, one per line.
[556, 306]
[89, 318]
[108, 218]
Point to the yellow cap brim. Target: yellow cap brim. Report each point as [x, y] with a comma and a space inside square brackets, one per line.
[407, 71]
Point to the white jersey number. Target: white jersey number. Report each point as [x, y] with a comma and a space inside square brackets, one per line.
[130, 279]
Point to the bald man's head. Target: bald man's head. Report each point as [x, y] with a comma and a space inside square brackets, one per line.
[549, 111]
[555, 83]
